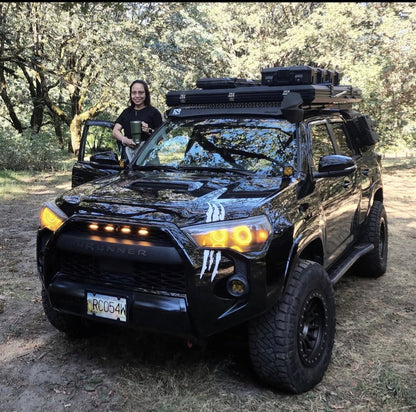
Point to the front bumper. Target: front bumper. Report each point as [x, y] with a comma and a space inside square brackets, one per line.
[159, 278]
[168, 314]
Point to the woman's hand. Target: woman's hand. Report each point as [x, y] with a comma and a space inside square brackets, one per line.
[128, 142]
[146, 128]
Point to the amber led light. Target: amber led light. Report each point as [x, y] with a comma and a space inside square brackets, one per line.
[126, 230]
[245, 235]
[51, 217]
[288, 171]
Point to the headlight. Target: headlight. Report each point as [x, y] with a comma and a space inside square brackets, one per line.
[243, 235]
[51, 217]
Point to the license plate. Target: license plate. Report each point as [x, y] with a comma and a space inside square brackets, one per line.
[108, 307]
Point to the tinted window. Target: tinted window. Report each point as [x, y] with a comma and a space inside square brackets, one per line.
[321, 143]
[341, 139]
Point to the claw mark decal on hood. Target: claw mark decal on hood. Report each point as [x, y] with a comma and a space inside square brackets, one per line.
[212, 258]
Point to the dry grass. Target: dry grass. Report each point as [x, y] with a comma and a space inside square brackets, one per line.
[372, 368]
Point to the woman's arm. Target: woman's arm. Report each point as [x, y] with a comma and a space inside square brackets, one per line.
[118, 135]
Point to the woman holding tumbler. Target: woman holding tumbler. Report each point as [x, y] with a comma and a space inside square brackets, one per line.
[138, 121]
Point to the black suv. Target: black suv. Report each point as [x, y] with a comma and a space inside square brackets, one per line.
[243, 209]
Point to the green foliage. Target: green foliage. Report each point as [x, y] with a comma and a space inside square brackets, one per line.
[31, 152]
[57, 76]
[99, 139]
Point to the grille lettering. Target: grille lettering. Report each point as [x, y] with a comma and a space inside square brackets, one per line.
[108, 248]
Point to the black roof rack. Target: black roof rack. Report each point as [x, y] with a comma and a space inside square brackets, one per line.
[317, 87]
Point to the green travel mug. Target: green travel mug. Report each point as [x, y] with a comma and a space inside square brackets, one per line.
[136, 131]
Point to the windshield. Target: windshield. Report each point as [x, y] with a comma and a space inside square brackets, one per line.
[261, 146]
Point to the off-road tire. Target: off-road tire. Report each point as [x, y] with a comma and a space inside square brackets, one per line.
[291, 345]
[374, 264]
[72, 326]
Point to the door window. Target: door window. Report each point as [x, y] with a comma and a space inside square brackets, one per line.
[341, 139]
[321, 143]
[99, 139]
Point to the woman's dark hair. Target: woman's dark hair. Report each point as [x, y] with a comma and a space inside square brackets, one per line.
[146, 89]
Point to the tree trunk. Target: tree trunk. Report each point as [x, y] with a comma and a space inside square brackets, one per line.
[75, 128]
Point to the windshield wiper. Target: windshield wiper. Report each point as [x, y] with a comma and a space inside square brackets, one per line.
[156, 167]
[217, 169]
[251, 154]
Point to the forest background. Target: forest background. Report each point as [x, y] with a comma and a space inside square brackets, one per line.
[64, 63]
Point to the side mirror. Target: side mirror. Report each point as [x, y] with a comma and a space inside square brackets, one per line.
[291, 107]
[335, 165]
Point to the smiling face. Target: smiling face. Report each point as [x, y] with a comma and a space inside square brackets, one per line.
[138, 95]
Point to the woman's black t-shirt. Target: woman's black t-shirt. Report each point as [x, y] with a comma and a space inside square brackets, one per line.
[149, 114]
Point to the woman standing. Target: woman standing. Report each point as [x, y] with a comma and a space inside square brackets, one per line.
[141, 110]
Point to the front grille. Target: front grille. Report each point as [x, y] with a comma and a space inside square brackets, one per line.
[153, 235]
[131, 275]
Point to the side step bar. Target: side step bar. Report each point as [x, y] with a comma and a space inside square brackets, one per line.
[341, 268]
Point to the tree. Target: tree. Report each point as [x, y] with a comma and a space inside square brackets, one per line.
[67, 68]
[81, 68]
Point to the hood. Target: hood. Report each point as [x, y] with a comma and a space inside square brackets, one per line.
[182, 198]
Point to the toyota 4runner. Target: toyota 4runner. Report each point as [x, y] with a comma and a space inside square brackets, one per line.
[245, 208]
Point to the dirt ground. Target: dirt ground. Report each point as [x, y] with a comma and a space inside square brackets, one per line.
[373, 366]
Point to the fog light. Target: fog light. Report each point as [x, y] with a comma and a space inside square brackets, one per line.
[287, 170]
[237, 286]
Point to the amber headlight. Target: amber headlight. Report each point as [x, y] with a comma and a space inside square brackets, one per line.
[51, 217]
[244, 235]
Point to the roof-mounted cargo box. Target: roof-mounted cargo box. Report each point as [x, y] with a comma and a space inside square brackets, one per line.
[297, 75]
[312, 95]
